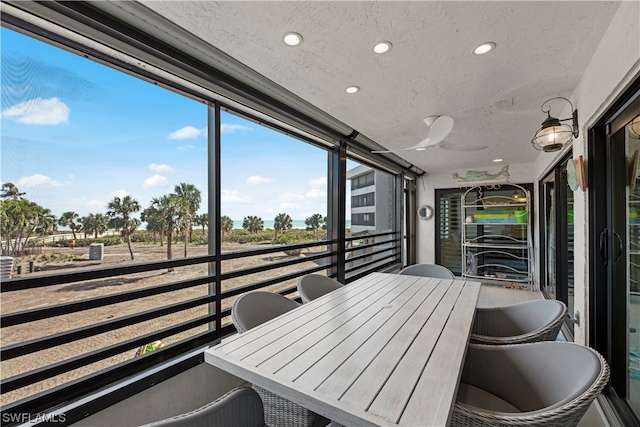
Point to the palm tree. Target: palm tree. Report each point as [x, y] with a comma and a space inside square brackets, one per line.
[67, 219]
[87, 224]
[171, 213]
[152, 217]
[192, 196]
[314, 222]
[202, 220]
[226, 224]
[282, 222]
[10, 191]
[100, 224]
[252, 223]
[120, 211]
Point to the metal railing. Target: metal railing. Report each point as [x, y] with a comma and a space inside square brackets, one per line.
[203, 324]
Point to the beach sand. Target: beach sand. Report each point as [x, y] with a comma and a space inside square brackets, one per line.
[114, 256]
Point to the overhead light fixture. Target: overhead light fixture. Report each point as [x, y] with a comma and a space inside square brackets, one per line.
[497, 160]
[484, 48]
[553, 135]
[352, 89]
[382, 47]
[292, 39]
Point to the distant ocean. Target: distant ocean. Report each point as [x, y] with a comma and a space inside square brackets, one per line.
[296, 223]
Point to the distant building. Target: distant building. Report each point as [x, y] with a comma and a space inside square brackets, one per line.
[371, 199]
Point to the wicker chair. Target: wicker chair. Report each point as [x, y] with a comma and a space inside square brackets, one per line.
[535, 384]
[531, 321]
[251, 310]
[239, 407]
[312, 286]
[428, 270]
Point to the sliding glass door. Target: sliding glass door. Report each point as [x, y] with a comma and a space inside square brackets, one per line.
[615, 244]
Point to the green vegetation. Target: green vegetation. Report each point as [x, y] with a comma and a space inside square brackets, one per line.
[169, 218]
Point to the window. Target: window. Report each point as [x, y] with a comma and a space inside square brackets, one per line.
[364, 219]
[366, 180]
[363, 200]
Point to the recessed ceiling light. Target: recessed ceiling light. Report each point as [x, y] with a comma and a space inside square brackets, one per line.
[498, 160]
[382, 47]
[292, 39]
[484, 48]
[421, 149]
[352, 89]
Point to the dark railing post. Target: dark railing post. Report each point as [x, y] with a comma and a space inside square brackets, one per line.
[214, 236]
[336, 216]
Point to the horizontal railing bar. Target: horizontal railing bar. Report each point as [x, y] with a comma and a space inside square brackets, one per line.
[73, 389]
[370, 245]
[12, 285]
[32, 315]
[38, 344]
[264, 283]
[367, 264]
[272, 266]
[368, 254]
[385, 233]
[364, 273]
[45, 372]
[253, 252]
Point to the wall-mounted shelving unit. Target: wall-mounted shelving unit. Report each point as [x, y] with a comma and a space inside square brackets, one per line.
[496, 235]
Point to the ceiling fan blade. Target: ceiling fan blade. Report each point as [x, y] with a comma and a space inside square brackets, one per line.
[422, 144]
[440, 129]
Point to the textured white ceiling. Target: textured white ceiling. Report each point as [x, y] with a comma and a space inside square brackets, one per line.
[542, 50]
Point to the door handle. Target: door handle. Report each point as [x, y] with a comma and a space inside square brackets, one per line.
[619, 246]
[602, 253]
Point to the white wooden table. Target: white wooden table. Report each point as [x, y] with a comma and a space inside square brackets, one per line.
[384, 350]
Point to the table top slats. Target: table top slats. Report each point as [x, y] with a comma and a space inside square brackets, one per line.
[393, 384]
[349, 349]
[382, 351]
[280, 327]
[346, 318]
[445, 367]
[317, 345]
[385, 350]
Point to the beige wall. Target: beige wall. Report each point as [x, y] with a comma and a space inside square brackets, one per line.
[615, 64]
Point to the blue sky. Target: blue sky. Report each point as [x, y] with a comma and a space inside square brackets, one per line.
[76, 133]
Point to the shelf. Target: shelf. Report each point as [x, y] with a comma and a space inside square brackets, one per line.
[500, 223]
[502, 205]
[494, 246]
[476, 276]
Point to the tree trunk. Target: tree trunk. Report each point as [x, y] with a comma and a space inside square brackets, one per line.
[169, 240]
[185, 242]
[129, 243]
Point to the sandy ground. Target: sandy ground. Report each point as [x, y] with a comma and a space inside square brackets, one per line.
[113, 255]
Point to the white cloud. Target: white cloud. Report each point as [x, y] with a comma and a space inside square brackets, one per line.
[120, 193]
[233, 196]
[257, 179]
[284, 207]
[316, 193]
[95, 204]
[227, 128]
[286, 197]
[38, 111]
[155, 181]
[185, 133]
[37, 180]
[160, 167]
[185, 147]
[319, 182]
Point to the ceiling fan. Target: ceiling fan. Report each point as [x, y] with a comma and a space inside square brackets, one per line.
[439, 128]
